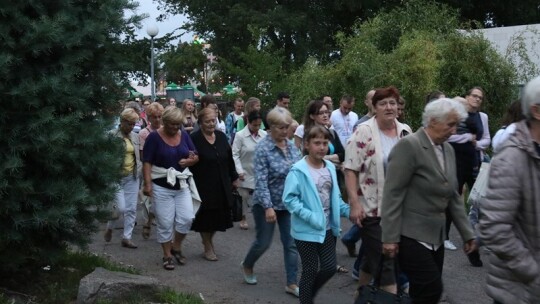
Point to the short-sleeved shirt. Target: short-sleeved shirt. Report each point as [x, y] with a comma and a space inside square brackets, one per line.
[158, 153]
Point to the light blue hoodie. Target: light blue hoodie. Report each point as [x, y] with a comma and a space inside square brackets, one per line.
[300, 196]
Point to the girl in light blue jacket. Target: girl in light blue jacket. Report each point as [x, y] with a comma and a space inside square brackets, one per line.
[312, 197]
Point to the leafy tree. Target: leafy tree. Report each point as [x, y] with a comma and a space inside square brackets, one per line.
[182, 61]
[398, 48]
[60, 65]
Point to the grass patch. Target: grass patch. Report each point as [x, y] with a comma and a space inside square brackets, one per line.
[59, 283]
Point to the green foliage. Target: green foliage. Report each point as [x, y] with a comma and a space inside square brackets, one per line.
[181, 61]
[416, 48]
[58, 74]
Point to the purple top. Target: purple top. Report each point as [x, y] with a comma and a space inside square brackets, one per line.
[158, 153]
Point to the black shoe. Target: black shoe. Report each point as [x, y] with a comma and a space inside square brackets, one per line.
[474, 259]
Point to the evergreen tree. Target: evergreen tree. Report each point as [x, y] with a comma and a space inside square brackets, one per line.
[59, 68]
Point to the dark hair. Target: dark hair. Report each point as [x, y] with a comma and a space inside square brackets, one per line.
[206, 100]
[469, 92]
[513, 114]
[347, 98]
[382, 93]
[312, 108]
[433, 95]
[282, 95]
[253, 115]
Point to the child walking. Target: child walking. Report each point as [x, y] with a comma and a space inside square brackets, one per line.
[312, 197]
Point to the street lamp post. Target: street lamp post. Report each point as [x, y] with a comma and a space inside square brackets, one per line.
[152, 31]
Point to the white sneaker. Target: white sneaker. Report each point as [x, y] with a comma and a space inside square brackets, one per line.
[449, 245]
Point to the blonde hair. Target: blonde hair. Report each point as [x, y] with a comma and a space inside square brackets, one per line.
[250, 105]
[279, 116]
[154, 108]
[205, 112]
[129, 114]
[186, 113]
[172, 114]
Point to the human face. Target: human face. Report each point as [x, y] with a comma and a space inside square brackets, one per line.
[172, 127]
[238, 107]
[386, 109]
[126, 126]
[190, 106]
[155, 120]
[208, 123]
[322, 116]
[440, 131]
[172, 102]
[400, 108]
[255, 125]
[475, 99]
[317, 148]
[369, 101]
[257, 106]
[327, 100]
[146, 104]
[284, 102]
[346, 107]
[214, 107]
[279, 132]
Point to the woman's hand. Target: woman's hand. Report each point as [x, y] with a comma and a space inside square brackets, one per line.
[242, 176]
[191, 160]
[390, 249]
[270, 215]
[147, 189]
[470, 246]
[236, 183]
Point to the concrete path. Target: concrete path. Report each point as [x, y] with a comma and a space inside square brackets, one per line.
[221, 282]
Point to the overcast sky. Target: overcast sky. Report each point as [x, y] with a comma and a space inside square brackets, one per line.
[167, 26]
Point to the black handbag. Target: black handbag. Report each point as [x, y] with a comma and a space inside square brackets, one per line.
[236, 207]
[373, 294]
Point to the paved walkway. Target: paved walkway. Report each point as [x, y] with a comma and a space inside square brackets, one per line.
[221, 282]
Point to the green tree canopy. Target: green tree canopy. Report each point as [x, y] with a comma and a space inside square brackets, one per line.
[60, 65]
[417, 49]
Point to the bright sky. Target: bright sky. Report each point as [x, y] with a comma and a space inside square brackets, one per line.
[167, 26]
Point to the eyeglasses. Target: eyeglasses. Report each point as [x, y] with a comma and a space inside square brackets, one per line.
[321, 113]
[477, 96]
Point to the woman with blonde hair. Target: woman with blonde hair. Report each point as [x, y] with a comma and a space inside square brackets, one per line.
[126, 197]
[189, 112]
[168, 153]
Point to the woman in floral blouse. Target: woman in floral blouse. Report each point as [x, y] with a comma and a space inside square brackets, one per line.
[274, 157]
[366, 158]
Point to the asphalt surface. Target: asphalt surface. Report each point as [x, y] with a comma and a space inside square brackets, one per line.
[221, 282]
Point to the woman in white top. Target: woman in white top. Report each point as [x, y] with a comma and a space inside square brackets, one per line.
[243, 151]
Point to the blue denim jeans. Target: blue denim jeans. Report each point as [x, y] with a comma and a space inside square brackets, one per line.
[352, 236]
[263, 239]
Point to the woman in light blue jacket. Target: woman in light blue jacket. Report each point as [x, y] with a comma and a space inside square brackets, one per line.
[312, 197]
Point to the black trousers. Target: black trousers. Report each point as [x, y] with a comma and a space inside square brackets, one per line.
[423, 267]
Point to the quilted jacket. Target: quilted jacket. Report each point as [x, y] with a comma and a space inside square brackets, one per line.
[510, 221]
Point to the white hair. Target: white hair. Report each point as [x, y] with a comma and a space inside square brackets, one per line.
[531, 96]
[440, 109]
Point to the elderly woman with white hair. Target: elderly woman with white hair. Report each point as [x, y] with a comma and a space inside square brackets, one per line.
[126, 196]
[510, 214]
[420, 185]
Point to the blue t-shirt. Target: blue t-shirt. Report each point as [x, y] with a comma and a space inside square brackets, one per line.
[158, 153]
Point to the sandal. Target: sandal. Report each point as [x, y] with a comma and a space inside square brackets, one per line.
[244, 225]
[168, 263]
[180, 258]
[146, 232]
[210, 256]
[341, 269]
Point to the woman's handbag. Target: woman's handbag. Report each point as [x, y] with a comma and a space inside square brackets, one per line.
[373, 294]
[478, 190]
[236, 208]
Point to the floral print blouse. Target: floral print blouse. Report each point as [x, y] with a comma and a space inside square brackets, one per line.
[364, 155]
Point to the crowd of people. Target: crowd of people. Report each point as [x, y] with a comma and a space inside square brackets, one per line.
[401, 189]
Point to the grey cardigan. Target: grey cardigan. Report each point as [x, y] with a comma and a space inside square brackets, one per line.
[510, 220]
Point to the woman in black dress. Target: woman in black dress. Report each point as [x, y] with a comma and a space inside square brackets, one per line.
[215, 176]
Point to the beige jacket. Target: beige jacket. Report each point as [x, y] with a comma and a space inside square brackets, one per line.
[510, 221]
